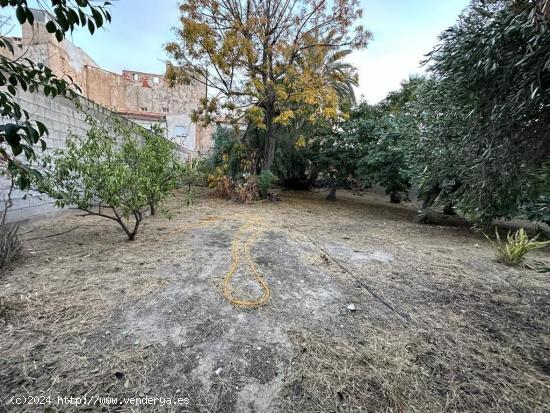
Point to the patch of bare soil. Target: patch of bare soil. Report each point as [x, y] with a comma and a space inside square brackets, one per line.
[369, 311]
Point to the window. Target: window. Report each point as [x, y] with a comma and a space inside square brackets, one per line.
[181, 131]
[143, 109]
[165, 110]
[156, 80]
[135, 76]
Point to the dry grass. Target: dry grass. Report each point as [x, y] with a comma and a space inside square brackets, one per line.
[411, 371]
[9, 243]
[479, 339]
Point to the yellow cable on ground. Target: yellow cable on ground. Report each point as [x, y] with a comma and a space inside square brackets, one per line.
[235, 256]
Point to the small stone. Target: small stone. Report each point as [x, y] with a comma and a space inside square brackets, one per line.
[219, 371]
[177, 391]
[351, 307]
[476, 245]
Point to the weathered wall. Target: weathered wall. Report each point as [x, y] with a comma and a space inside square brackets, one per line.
[143, 97]
[62, 117]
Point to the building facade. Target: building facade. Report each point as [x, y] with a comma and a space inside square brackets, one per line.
[144, 98]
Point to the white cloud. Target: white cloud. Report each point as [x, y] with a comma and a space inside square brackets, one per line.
[379, 74]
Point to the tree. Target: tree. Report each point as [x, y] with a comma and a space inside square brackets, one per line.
[336, 155]
[483, 121]
[21, 133]
[309, 146]
[382, 160]
[156, 163]
[247, 52]
[99, 173]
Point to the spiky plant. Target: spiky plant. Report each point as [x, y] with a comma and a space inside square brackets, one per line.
[512, 250]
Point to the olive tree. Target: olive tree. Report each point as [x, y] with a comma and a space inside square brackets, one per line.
[483, 120]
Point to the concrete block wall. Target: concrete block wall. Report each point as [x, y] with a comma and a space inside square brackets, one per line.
[62, 117]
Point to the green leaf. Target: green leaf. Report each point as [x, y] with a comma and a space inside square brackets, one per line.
[21, 14]
[51, 27]
[91, 26]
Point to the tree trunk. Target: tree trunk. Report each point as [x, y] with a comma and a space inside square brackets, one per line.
[152, 208]
[132, 235]
[395, 198]
[269, 147]
[331, 196]
[449, 209]
[431, 196]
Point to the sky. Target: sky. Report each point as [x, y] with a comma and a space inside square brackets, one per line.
[403, 32]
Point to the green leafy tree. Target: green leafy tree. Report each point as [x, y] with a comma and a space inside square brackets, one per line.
[483, 121]
[194, 175]
[101, 175]
[335, 152]
[158, 165]
[382, 140]
[19, 136]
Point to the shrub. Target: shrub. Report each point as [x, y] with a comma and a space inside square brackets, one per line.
[513, 249]
[193, 174]
[247, 190]
[159, 167]
[220, 183]
[265, 181]
[484, 128]
[99, 173]
[229, 153]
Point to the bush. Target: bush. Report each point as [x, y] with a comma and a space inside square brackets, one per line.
[265, 181]
[220, 183]
[159, 167]
[193, 175]
[513, 249]
[229, 153]
[111, 174]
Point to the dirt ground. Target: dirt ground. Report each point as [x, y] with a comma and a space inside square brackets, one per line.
[369, 311]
